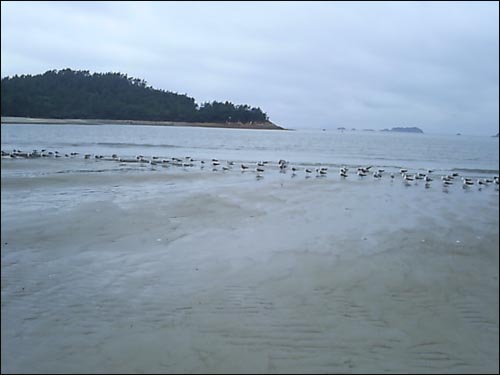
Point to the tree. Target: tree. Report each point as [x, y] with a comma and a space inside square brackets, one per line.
[79, 94]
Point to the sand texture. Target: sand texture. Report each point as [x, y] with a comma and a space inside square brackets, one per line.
[196, 272]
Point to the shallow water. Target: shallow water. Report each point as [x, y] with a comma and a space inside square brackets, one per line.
[398, 150]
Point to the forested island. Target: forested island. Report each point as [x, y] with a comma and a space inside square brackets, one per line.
[69, 94]
[404, 130]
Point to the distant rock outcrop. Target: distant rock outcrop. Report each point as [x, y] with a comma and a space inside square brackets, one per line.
[413, 129]
[495, 135]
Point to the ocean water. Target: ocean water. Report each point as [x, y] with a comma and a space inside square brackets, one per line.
[475, 155]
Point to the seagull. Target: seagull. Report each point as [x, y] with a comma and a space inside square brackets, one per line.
[364, 170]
[467, 183]
[320, 172]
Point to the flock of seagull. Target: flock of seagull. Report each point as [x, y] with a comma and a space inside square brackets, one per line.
[260, 168]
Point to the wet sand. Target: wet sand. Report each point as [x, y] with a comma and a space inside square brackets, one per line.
[265, 125]
[193, 272]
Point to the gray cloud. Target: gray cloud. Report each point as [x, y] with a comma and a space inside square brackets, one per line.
[307, 64]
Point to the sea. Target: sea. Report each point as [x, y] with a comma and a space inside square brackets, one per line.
[467, 155]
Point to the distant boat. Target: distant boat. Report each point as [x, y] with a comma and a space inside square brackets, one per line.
[459, 134]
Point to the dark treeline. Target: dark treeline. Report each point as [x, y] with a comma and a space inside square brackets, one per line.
[78, 94]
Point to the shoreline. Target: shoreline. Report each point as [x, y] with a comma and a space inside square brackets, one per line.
[268, 125]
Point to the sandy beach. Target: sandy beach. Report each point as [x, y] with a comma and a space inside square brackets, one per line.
[268, 125]
[193, 272]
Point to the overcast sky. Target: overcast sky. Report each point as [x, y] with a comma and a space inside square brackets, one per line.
[307, 64]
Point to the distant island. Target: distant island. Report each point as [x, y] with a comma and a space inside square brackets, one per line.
[495, 135]
[75, 96]
[404, 130]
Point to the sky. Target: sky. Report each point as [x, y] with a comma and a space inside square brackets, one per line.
[434, 65]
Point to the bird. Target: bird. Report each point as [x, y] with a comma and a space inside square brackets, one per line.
[466, 183]
[360, 173]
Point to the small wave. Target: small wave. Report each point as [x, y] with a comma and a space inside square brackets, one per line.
[123, 144]
[476, 170]
[85, 171]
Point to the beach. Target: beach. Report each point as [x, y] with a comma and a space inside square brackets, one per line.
[193, 271]
[267, 125]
